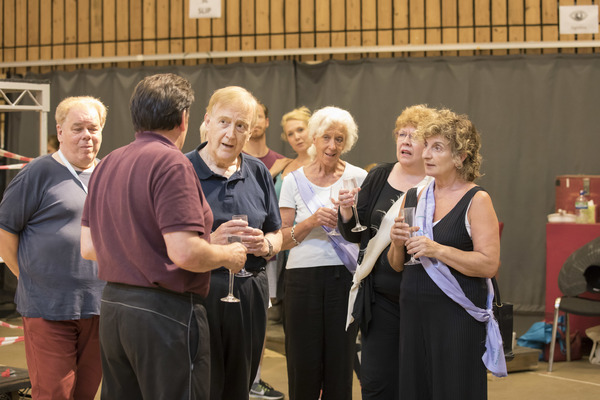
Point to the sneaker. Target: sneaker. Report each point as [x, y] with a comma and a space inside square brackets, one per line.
[262, 390]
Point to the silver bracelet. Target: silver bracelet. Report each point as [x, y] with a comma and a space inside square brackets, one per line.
[294, 237]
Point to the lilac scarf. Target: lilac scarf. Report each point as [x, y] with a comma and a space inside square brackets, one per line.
[493, 358]
[346, 251]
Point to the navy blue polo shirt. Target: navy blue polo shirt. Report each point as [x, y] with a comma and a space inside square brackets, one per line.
[248, 191]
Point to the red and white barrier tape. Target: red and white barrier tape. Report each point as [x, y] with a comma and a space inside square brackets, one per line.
[12, 166]
[5, 341]
[7, 325]
[8, 154]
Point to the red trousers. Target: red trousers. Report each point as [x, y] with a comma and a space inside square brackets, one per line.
[63, 358]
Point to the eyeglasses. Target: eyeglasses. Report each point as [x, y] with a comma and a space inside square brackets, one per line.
[403, 135]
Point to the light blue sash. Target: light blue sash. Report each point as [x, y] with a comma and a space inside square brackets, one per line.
[493, 358]
[346, 251]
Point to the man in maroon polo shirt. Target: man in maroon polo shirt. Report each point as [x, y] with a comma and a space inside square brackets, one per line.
[148, 224]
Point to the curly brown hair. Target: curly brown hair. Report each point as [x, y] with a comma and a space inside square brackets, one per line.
[463, 137]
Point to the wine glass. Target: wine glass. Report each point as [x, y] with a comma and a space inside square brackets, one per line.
[243, 273]
[350, 183]
[408, 214]
[230, 298]
[333, 195]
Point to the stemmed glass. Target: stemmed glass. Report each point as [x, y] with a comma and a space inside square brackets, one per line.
[408, 214]
[230, 298]
[334, 195]
[350, 184]
[243, 273]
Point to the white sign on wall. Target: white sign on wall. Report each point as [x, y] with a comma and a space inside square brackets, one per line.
[205, 8]
[578, 19]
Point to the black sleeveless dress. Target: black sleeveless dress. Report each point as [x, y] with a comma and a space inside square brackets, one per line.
[440, 344]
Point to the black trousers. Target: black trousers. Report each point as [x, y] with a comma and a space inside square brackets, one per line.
[154, 344]
[380, 351]
[441, 345]
[237, 333]
[320, 352]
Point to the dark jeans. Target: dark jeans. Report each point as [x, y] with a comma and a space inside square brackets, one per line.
[154, 344]
[320, 351]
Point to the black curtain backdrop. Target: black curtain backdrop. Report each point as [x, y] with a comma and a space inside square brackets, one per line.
[538, 117]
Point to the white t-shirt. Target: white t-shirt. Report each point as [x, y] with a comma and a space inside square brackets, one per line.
[316, 249]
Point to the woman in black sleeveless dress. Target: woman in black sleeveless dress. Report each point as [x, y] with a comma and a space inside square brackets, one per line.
[441, 345]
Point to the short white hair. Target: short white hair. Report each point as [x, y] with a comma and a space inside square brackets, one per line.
[323, 119]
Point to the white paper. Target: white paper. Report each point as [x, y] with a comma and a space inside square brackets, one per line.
[578, 19]
[205, 8]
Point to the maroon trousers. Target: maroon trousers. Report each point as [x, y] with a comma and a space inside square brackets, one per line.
[63, 358]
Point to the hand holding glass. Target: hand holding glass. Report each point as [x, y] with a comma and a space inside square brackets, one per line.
[408, 214]
[334, 196]
[241, 217]
[230, 298]
[350, 184]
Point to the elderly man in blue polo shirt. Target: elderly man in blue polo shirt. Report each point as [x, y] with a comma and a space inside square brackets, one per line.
[236, 183]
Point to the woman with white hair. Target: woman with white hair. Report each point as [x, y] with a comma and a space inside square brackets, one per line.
[320, 351]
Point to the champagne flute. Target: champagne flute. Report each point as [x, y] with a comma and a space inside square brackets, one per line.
[350, 184]
[230, 298]
[243, 273]
[334, 195]
[408, 214]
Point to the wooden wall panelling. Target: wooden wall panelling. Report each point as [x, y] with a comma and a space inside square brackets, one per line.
[8, 31]
[482, 22]
[21, 32]
[122, 28]
[466, 18]
[585, 36]
[401, 24]
[353, 26]
[108, 37]
[499, 24]
[33, 30]
[449, 24]
[433, 24]
[516, 22]
[198, 35]
[385, 25]
[277, 25]
[550, 23]
[566, 37]
[82, 31]
[96, 29]
[292, 24]
[58, 29]
[339, 25]
[135, 35]
[533, 23]
[70, 22]
[232, 27]
[248, 28]
[416, 24]
[218, 33]
[307, 27]
[323, 27]
[176, 12]
[149, 29]
[262, 23]
[162, 21]
[369, 25]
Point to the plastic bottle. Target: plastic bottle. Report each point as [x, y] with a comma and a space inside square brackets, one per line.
[581, 208]
[591, 212]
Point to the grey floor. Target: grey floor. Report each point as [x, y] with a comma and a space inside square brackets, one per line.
[575, 380]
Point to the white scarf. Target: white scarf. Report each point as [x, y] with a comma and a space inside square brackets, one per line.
[376, 245]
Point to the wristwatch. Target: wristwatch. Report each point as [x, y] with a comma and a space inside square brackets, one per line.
[270, 253]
